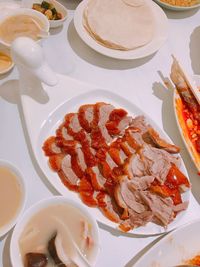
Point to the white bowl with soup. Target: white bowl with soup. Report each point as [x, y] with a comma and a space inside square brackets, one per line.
[23, 22]
[12, 196]
[39, 227]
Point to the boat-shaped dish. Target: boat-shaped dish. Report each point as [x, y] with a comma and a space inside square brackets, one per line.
[178, 109]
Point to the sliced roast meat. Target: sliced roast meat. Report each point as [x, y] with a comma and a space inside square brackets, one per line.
[67, 175]
[55, 162]
[128, 150]
[118, 122]
[161, 143]
[135, 166]
[108, 207]
[89, 153]
[62, 133]
[86, 117]
[110, 161]
[162, 208]
[50, 147]
[134, 139]
[181, 206]
[139, 122]
[97, 179]
[157, 162]
[87, 193]
[72, 124]
[141, 183]
[117, 155]
[102, 113]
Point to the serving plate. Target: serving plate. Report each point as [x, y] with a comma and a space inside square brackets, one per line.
[160, 36]
[176, 8]
[45, 112]
[175, 248]
[195, 156]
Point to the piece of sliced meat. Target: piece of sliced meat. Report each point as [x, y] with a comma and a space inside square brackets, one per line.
[128, 150]
[110, 161]
[62, 133]
[87, 193]
[89, 153]
[108, 207]
[118, 122]
[157, 162]
[50, 147]
[136, 220]
[86, 117]
[99, 131]
[134, 139]
[141, 183]
[180, 207]
[96, 178]
[67, 175]
[161, 143]
[139, 122]
[117, 155]
[135, 166]
[72, 124]
[55, 162]
[162, 208]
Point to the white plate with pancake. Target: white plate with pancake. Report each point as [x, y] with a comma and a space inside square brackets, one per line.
[158, 39]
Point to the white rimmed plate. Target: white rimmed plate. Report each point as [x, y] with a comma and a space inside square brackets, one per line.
[175, 248]
[42, 119]
[176, 8]
[160, 36]
[15, 254]
[195, 156]
[21, 181]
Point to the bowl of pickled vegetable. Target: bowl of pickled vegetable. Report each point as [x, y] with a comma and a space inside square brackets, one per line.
[53, 10]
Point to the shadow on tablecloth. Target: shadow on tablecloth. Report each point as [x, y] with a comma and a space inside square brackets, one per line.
[95, 58]
[195, 50]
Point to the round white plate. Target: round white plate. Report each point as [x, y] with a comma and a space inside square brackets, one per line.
[175, 248]
[49, 127]
[160, 36]
[195, 156]
[176, 8]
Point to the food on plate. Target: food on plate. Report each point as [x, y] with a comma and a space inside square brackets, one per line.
[188, 110]
[45, 240]
[10, 195]
[183, 3]
[119, 164]
[194, 261]
[48, 9]
[20, 25]
[5, 61]
[120, 24]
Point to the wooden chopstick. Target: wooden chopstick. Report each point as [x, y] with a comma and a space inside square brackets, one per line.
[190, 82]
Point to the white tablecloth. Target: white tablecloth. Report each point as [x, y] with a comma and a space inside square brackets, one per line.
[138, 80]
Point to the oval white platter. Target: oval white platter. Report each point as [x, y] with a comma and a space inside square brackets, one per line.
[173, 249]
[43, 115]
[195, 156]
[160, 36]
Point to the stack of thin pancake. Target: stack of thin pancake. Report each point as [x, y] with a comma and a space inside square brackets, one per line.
[120, 24]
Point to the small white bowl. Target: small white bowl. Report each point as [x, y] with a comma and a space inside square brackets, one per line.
[176, 8]
[29, 12]
[9, 226]
[59, 7]
[6, 51]
[16, 258]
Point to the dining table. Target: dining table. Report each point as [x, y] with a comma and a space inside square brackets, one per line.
[141, 81]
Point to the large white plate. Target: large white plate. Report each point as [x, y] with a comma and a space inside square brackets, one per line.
[195, 156]
[43, 115]
[175, 248]
[160, 36]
